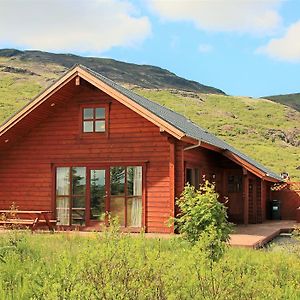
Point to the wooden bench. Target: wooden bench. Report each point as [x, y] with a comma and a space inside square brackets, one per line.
[38, 217]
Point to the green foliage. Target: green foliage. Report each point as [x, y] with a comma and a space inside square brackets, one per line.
[119, 266]
[203, 217]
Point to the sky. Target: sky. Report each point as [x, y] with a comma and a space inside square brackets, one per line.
[244, 47]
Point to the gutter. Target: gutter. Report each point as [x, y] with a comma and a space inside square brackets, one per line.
[192, 147]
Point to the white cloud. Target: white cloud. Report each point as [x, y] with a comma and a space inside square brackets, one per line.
[285, 48]
[205, 48]
[71, 25]
[250, 16]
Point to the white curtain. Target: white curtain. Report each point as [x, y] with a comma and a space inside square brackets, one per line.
[136, 208]
[136, 212]
[63, 211]
[63, 181]
[137, 181]
[62, 189]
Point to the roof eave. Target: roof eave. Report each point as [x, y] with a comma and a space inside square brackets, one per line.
[233, 157]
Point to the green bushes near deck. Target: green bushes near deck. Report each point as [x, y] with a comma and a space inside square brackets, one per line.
[118, 266]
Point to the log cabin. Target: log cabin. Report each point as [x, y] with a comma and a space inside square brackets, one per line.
[86, 146]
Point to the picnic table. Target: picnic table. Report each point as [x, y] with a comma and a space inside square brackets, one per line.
[33, 218]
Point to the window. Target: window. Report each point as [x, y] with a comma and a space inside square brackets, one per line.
[84, 194]
[193, 177]
[70, 195]
[126, 195]
[234, 184]
[93, 119]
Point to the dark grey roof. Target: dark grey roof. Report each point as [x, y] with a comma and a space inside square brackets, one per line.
[180, 122]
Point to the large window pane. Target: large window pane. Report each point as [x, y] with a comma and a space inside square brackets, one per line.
[117, 181]
[117, 209]
[88, 113]
[97, 188]
[100, 113]
[63, 210]
[134, 212]
[63, 181]
[88, 126]
[78, 216]
[134, 181]
[100, 126]
[78, 180]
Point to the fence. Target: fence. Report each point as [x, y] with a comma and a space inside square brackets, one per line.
[289, 195]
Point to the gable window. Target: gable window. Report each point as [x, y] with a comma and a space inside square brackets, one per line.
[93, 119]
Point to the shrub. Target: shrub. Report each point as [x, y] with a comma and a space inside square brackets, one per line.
[200, 212]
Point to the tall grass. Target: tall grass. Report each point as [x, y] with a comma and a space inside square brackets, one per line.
[116, 266]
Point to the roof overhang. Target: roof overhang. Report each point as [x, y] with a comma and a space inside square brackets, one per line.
[233, 157]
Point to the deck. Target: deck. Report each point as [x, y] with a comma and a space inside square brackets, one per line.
[256, 235]
[249, 236]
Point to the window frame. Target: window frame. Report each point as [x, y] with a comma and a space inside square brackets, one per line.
[70, 196]
[103, 165]
[106, 120]
[234, 183]
[195, 175]
[126, 195]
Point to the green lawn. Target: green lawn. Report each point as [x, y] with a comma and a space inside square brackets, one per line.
[110, 266]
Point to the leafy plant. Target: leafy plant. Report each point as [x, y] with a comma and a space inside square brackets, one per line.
[202, 213]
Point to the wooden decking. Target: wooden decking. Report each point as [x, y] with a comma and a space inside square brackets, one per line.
[256, 235]
[250, 236]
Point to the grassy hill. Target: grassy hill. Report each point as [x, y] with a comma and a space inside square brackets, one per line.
[292, 100]
[267, 131]
[145, 76]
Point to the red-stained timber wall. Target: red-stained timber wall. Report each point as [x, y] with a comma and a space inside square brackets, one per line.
[52, 136]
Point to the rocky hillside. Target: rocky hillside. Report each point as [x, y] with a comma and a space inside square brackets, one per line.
[267, 131]
[145, 76]
[292, 100]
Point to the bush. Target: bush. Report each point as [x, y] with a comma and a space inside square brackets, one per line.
[200, 213]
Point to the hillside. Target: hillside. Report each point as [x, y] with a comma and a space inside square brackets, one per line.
[267, 131]
[292, 100]
[145, 76]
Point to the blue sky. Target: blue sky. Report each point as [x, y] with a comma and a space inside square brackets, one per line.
[244, 47]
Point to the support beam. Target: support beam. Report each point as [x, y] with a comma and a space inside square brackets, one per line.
[263, 199]
[246, 196]
[172, 181]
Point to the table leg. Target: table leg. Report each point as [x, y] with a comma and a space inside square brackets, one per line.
[35, 222]
[48, 222]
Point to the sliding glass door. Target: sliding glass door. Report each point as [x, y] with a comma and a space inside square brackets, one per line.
[85, 194]
[70, 195]
[126, 195]
[98, 194]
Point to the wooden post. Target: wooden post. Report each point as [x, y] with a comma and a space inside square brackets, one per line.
[224, 186]
[246, 196]
[172, 181]
[263, 199]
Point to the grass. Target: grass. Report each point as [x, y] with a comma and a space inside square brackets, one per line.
[114, 266]
[15, 92]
